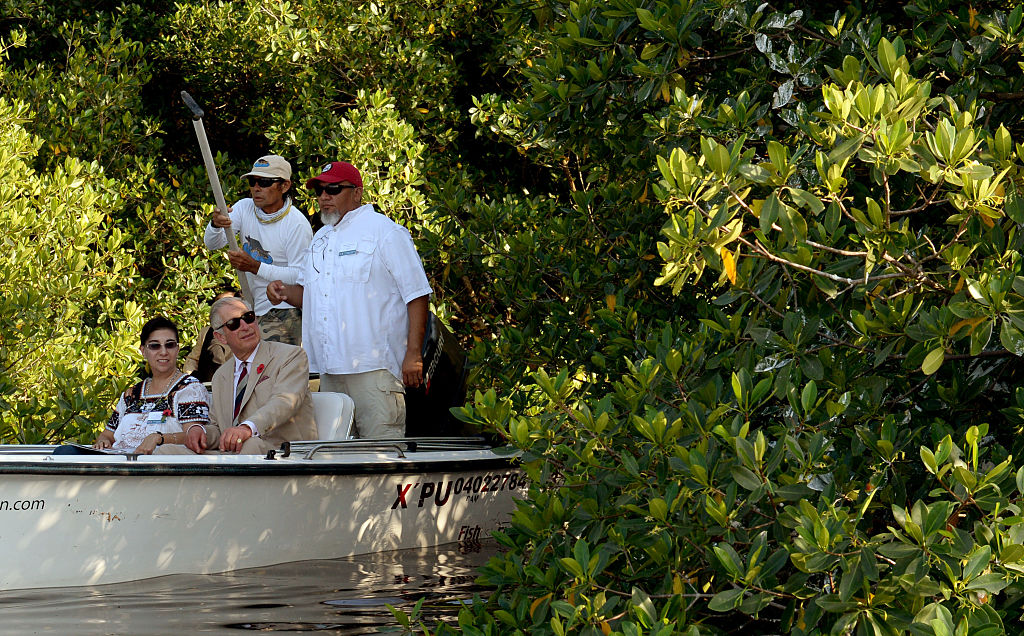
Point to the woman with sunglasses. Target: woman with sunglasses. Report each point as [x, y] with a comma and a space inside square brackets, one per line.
[154, 411]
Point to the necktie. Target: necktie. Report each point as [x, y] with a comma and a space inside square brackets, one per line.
[240, 391]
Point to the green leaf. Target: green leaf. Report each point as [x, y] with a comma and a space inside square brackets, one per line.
[936, 519]
[716, 155]
[933, 360]
[648, 21]
[769, 213]
[630, 464]
[850, 580]
[795, 492]
[745, 477]
[572, 567]
[761, 390]
[754, 173]
[729, 559]
[978, 562]
[1014, 206]
[993, 583]
[738, 388]
[1011, 338]
[980, 337]
[1012, 553]
[751, 605]
[929, 460]
[945, 449]
[651, 49]
[658, 508]
[832, 603]
[846, 149]
[794, 227]
[1003, 142]
[965, 477]
[645, 610]
[825, 285]
[725, 601]
[806, 200]
[809, 397]
[941, 627]
[898, 550]
[868, 564]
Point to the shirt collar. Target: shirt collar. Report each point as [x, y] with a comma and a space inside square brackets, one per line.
[252, 356]
[352, 214]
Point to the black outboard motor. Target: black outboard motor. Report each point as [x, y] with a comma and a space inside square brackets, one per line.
[444, 386]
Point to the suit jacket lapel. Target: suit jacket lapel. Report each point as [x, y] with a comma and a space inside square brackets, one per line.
[223, 387]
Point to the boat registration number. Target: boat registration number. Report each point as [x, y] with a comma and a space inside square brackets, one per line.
[439, 493]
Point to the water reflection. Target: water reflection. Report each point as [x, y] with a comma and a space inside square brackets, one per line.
[340, 596]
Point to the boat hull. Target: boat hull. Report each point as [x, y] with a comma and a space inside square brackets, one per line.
[97, 520]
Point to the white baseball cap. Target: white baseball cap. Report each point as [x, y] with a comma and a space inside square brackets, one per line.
[271, 166]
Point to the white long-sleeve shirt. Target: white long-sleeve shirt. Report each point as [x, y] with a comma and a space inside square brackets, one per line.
[358, 279]
[280, 247]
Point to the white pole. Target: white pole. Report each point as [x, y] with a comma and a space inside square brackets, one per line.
[218, 193]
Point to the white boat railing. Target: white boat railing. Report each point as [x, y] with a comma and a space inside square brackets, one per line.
[307, 449]
[26, 449]
[399, 445]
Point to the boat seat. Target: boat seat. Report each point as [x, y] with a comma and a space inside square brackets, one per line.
[334, 414]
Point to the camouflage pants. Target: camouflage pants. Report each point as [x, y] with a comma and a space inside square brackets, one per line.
[282, 325]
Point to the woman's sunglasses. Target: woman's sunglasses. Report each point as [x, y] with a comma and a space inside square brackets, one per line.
[157, 346]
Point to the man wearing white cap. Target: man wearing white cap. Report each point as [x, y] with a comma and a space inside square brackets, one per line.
[365, 297]
[274, 236]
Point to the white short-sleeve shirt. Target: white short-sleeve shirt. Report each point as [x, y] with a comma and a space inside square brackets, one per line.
[358, 277]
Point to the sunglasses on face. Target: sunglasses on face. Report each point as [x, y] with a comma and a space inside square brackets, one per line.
[156, 346]
[249, 317]
[330, 188]
[262, 182]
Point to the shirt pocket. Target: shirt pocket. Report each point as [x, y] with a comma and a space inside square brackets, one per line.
[354, 260]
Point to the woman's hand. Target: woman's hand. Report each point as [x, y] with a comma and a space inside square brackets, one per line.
[105, 440]
[149, 444]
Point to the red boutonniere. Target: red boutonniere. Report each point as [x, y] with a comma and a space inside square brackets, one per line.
[259, 369]
[168, 413]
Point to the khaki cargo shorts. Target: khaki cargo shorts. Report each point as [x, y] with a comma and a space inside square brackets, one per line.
[380, 401]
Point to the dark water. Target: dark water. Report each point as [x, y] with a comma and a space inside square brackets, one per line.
[340, 596]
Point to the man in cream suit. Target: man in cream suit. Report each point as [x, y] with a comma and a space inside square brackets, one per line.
[260, 396]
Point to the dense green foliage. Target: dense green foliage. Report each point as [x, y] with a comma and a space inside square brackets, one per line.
[742, 281]
[92, 109]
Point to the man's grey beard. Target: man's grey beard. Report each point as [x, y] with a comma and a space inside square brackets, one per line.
[329, 218]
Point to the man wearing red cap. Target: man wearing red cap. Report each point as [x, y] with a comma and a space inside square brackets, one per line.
[365, 299]
[274, 236]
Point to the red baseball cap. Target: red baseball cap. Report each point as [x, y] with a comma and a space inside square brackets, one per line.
[336, 172]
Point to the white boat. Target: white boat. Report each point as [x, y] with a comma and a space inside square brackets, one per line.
[68, 520]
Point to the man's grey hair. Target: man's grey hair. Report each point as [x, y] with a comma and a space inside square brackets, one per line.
[215, 318]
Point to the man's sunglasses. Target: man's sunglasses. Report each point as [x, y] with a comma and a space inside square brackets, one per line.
[330, 188]
[262, 182]
[249, 317]
[170, 345]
